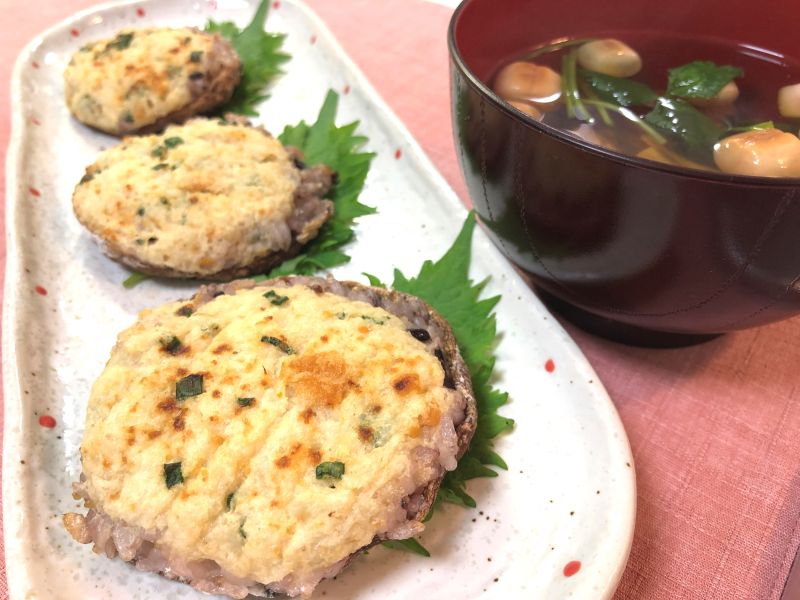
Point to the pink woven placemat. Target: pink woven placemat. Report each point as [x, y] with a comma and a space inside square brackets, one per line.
[715, 429]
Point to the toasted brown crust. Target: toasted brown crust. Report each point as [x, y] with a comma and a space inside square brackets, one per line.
[261, 265]
[416, 315]
[423, 315]
[224, 74]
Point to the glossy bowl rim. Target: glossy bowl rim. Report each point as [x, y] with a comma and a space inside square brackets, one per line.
[605, 153]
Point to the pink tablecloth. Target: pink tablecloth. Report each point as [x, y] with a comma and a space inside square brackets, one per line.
[715, 429]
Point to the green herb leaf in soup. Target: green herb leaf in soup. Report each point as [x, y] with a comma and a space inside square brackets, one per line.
[684, 121]
[620, 90]
[700, 79]
[278, 343]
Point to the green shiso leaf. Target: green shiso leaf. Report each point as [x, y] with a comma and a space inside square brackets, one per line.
[409, 545]
[261, 56]
[700, 79]
[446, 286]
[339, 148]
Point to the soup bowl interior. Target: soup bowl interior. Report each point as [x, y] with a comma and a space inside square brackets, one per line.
[638, 250]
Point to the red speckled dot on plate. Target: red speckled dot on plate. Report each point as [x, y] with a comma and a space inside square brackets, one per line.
[313, 39]
[35, 121]
[74, 32]
[571, 568]
[140, 12]
[549, 365]
[35, 64]
[398, 153]
[276, 5]
[346, 89]
[40, 290]
[47, 421]
[34, 192]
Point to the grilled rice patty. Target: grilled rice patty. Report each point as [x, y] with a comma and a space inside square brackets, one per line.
[295, 373]
[212, 198]
[143, 79]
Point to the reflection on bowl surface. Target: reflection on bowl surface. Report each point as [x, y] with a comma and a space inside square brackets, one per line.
[650, 246]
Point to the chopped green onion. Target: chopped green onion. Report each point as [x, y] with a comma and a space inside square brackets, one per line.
[173, 474]
[122, 41]
[160, 166]
[569, 87]
[275, 298]
[196, 56]
[601, 110]
[171, 142]
[135, 279]
[191, 385]
[278, 343]
[170, 344]
[241, 530]
[373, 320]
[229, 501]
[754, 127]
[245, 401]
[334, 470]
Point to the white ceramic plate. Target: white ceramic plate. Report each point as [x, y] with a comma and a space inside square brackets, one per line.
[569, 494]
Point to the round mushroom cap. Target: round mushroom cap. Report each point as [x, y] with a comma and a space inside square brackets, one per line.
[207, 199]
[143, 79]
[276, 430]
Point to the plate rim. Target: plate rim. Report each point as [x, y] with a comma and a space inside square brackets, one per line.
[13, 421]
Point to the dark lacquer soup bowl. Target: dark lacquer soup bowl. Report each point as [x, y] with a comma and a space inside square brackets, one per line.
[634, 249]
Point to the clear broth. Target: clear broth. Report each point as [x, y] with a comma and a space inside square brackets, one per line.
[765, 72]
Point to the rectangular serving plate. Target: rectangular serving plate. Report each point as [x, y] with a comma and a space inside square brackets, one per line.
[64, 305]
